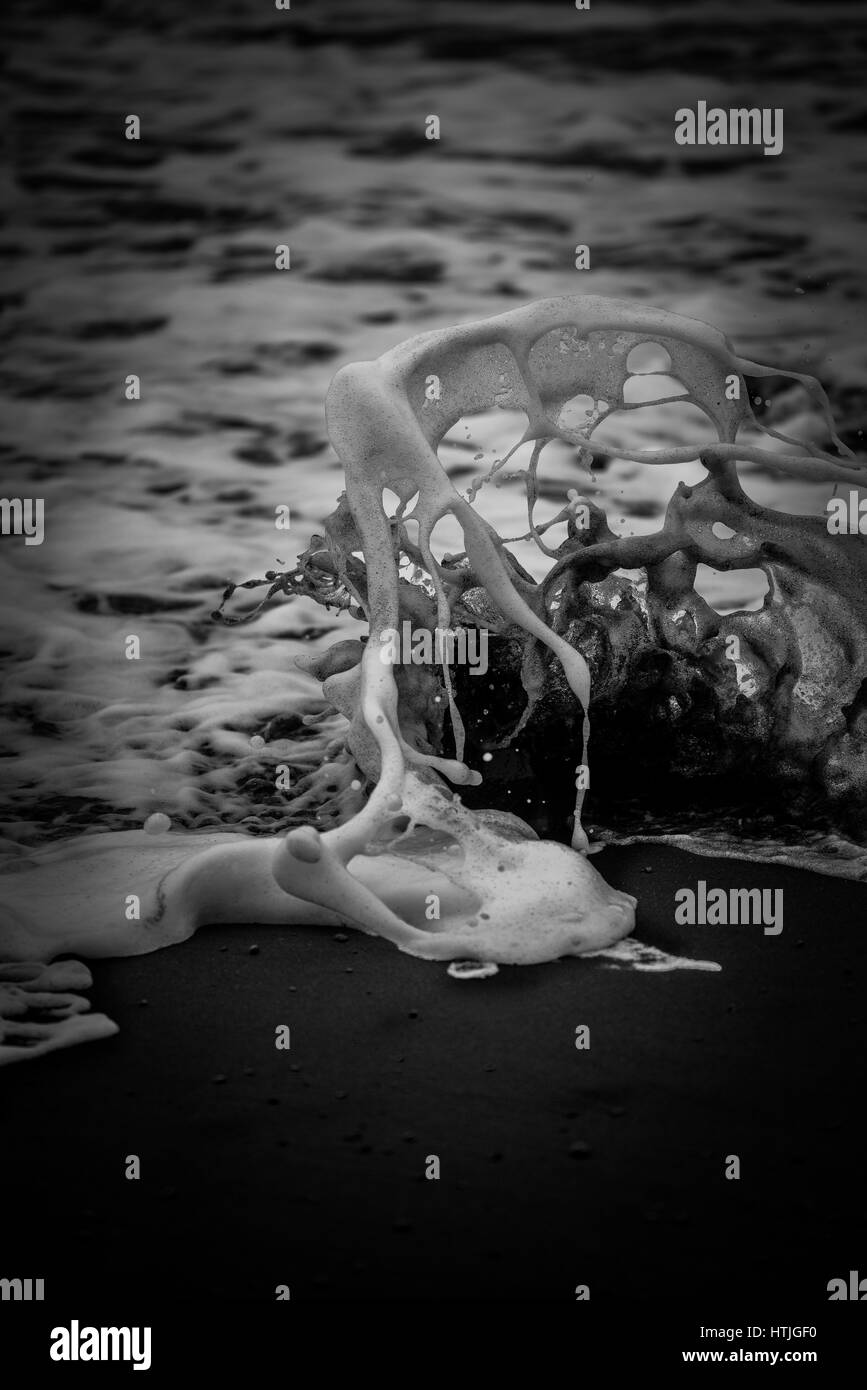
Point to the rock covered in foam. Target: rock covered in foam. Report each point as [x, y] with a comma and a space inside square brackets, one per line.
[772, 691]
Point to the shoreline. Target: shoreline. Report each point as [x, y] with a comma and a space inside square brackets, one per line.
[558, 1166]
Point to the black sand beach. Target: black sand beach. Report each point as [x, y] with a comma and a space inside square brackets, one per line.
[559, 1167]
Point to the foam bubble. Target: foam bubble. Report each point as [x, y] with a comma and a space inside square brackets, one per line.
[472, 969]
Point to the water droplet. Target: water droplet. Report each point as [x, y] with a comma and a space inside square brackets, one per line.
[157, 824]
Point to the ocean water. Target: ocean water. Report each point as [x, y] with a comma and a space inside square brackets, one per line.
[306, 128]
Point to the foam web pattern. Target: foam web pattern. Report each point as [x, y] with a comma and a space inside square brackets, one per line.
[386, 427]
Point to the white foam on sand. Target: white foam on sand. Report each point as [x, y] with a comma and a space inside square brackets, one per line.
[42, 1010]
[637, 955]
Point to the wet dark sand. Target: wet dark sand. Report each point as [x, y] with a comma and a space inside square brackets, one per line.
[306, 1167]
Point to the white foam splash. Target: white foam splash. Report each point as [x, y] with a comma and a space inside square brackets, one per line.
[507, 897]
